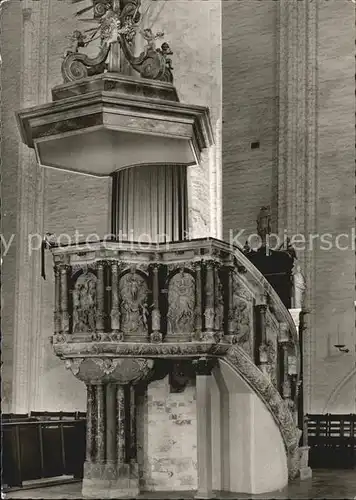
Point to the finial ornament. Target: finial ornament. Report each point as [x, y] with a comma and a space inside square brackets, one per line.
[117, 22]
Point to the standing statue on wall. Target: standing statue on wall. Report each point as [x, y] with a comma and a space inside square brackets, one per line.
[84, 300]
[298, 286]
[181, 303]
[264, 224]
[133, 307]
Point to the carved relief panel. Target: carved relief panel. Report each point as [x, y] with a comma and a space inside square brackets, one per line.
[84, 303]
[181, 303]
[241, 315]
[133, 292]
[271, 348]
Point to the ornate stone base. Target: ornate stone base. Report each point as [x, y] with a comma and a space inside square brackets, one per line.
[304, 470]
[110, 480]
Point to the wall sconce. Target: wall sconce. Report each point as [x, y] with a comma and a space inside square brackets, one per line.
[341, 347]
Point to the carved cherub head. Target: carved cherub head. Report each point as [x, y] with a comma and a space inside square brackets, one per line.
[166, 50]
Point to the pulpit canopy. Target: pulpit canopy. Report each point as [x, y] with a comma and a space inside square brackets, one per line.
[104, 123]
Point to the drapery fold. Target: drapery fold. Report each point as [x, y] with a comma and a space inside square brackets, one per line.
[149, 203]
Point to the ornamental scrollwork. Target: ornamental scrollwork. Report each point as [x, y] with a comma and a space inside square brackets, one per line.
[117, 21]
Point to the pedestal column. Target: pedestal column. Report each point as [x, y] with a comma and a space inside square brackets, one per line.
[110, 423]
[204, 438]
[109, 471]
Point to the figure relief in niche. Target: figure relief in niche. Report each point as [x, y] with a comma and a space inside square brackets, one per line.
[84, 302]
[133, 306]
[241, 315]
[181, 303]
[271, 350]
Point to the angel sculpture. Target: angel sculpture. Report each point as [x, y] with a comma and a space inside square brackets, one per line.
[166, 51]
[151, 38]
[181, 303]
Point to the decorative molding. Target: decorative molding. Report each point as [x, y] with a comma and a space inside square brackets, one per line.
[245, 367]
[73, 364]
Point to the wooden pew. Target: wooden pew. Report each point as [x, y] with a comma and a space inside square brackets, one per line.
[332, 441]
[42, 447]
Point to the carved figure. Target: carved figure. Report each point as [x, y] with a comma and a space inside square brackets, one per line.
[151, 38]
[152, 63]
[133, 306]
[264, 223]
[298, 286]
[268, 359]
[243, 316]
[240, 316]
[84, 302]
[181, 303]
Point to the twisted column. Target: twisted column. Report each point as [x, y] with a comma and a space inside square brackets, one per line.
[115, 311]
[57, 300]
[90, 423]
[110, 404]
[100, 291]
[133, 424]
[231, 325]
[64, 299]
[120, 425]
[100, 423]
[209, 312]
[198, 301]
[156, 335]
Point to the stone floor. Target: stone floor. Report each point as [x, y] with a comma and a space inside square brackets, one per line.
[335, 484]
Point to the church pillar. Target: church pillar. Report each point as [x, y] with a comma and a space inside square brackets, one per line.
[109, 470]
[24, 392]
[204, 434]
[294, 211]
